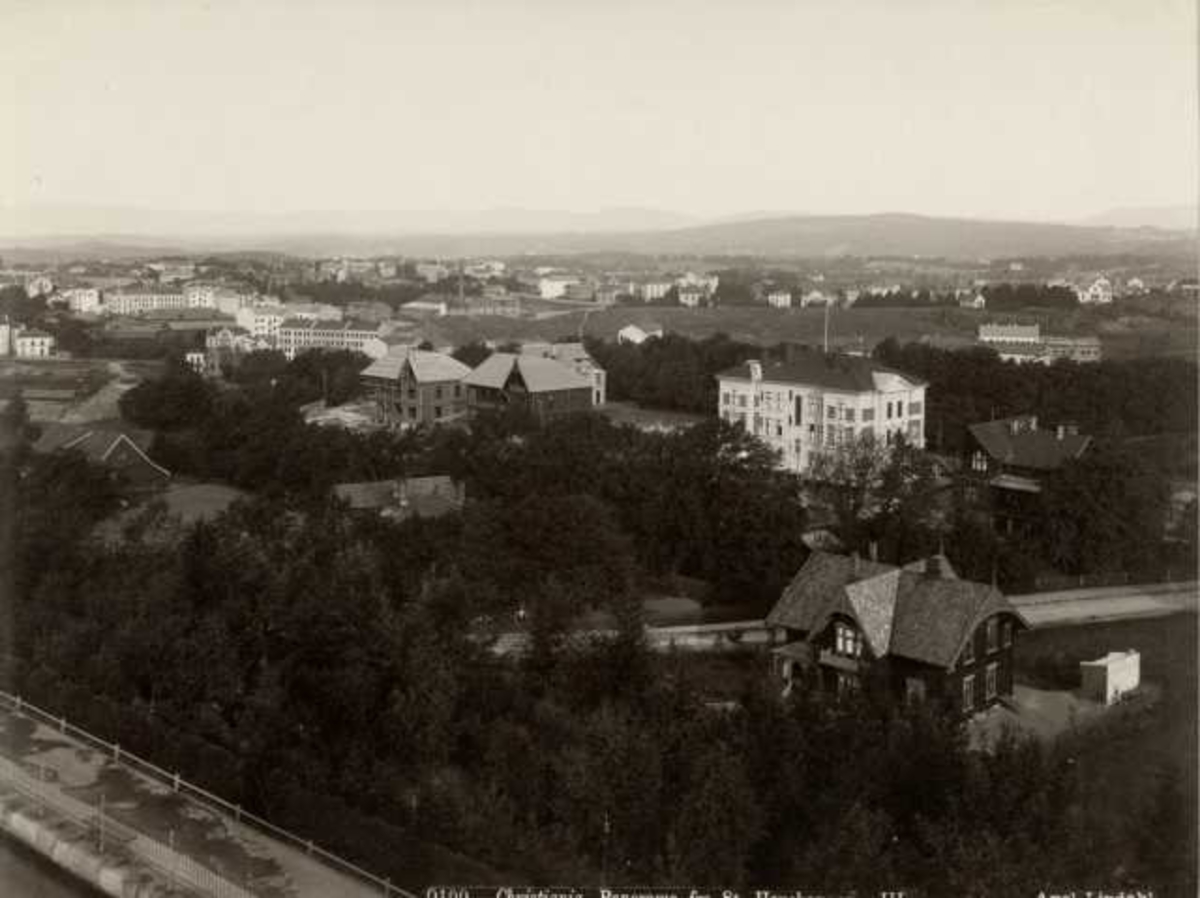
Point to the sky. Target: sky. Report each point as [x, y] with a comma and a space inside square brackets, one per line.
[1022, 109]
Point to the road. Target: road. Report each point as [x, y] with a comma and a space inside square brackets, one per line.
[1083, 606]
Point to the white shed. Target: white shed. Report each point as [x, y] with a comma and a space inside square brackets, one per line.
[1106, 679]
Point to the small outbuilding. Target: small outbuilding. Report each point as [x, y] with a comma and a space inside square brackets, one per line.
[1106, 679]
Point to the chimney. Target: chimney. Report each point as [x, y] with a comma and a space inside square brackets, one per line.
[933, 567]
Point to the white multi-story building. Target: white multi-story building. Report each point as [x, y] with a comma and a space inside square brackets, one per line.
[817, 402]
[692, 297]
[1100, 293]
[82, 300]
[200, 296]
[261, 320]
[651, 291]
[33, 344]
[779, 299]
[296, 335]
[139, 300]
[1010, 333]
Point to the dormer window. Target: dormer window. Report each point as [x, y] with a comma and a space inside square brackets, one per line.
[847, 640]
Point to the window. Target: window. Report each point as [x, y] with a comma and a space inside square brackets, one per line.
[868, 414]
[846, 683]
[412, 412]
[778, 430]
[989, 683]
[889, 411]
[914, 690]
[968, 653]
[799, 409]
[979, 462]
[848, 414]
[742, 400]
[724, 399]
[412, 392]
[847, 640]
[437, 411]
[437, 393]
[914, 408]
[457, 390]
[832, 413]
[993, 627]
[1007, 630]
[968, 692]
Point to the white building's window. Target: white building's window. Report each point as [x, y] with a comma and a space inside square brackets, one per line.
[868, 414]
[990, 680]
[968, 692]
[1007, 631]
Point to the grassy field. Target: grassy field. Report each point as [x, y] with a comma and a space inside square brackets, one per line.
[851, 327]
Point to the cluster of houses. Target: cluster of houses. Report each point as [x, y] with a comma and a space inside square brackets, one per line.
[410, 387]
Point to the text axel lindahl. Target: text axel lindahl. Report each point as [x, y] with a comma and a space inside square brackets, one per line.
[561, 892]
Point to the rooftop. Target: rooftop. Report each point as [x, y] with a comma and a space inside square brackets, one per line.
[539, 374]
[910, 612]
[1019, 442]
[831, 371]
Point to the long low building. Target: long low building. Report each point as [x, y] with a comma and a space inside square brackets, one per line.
[297, 335]
[817, 402]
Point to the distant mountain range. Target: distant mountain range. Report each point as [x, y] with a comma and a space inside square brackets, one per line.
[1179, 218]
[113, 232]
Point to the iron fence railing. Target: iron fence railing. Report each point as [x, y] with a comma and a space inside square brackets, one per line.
[200, 796]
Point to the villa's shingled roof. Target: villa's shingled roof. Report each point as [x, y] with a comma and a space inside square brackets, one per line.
[1028, 447]
[901, 611]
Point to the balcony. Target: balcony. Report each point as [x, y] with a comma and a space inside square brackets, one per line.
[839, 662]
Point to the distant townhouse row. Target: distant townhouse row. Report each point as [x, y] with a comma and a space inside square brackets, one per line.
[25, 343]
[1025, 344]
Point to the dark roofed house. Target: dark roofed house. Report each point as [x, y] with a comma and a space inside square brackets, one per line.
[1008, 461]
[545, 387]
[423, 497]
[121, 451]
[412, 387]
[928, 634]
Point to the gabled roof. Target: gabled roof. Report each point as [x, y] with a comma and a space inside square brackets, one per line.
[830, 371]
[814, 588]
[96, 442]
[432, 367]
[540, 375]
[1029, 447]
[901, 611]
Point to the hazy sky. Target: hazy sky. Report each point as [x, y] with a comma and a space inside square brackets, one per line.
[1014, 108]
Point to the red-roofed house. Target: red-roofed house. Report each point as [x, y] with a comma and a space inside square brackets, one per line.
[920, 629]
